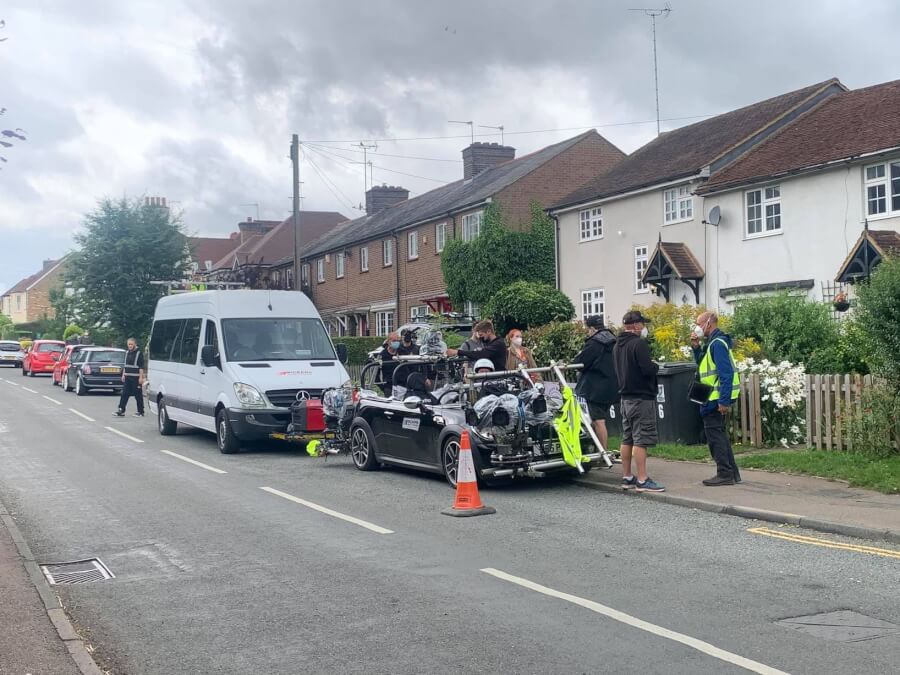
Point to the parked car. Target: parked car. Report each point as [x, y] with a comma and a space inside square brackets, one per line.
[11, 353]
[62, 366]
[42, 356]
[95, 368]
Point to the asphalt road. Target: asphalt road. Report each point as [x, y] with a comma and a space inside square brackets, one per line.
[214, 574]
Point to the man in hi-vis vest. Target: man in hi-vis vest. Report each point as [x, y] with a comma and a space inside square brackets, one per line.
[718, 370]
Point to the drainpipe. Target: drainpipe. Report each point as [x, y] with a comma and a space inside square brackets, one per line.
[556, 248]
[397, 277]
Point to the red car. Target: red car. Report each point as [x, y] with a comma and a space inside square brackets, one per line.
[62, 366]
[42, 356]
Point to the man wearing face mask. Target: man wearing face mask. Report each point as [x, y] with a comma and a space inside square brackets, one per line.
[492, 347]
[636, 374]
[597, 382]
[388, 356]
[717, 369]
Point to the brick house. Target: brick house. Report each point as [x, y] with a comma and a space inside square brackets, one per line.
[29, 300]
[373, 273]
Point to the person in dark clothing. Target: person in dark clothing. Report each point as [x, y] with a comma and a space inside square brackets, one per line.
[388, 355]
[636, 374]
[716, 368]
[597, 382]
[493, 347]
[417, 384]
[408, 344]
[132, 380]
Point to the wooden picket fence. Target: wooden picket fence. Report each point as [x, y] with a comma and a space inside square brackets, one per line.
[830, 399]
[746, 418]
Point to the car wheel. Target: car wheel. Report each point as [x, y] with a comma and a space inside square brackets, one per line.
[228, 442]
[166, 426]
[450, 459]
[67, 385]
[80, 389]
[362, 446]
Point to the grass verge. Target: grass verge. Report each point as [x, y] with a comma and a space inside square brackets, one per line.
[882, 475]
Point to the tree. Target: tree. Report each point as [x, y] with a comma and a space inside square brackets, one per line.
[126, 245]
[475, 270]
[878, 316]
[524, 304]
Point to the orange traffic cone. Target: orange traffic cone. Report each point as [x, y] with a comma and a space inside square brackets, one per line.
[468, 501]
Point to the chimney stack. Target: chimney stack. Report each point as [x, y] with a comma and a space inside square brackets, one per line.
[481, 156]
[380, 197]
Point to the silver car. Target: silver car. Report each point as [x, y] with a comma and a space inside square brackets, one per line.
[11, 353]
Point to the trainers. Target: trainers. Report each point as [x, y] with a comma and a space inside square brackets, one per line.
[119, 413]
[138, 414]
[716, 481]
[629, 483]
[649, 486]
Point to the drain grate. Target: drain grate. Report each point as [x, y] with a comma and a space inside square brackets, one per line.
[77, 572]
[841, 626]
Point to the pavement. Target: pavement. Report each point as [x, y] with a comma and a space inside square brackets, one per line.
[270, 561]
[813, 503]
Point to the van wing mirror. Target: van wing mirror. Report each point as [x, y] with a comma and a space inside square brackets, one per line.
[209, 356]
[341, 350]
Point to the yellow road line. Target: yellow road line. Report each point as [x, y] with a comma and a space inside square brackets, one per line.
[825, 543]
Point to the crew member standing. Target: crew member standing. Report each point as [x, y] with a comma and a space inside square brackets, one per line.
[493, 347]
[132, 380]
[597, 383]
[717, 369]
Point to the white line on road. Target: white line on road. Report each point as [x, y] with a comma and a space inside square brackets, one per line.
[52, 400]
[194, 462]
[124, 435]
[31, 390]
[15, 384]
[81, 414]
[329, 512]
[694, 643]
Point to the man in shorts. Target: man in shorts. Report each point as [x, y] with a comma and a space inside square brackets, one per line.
[636, 373]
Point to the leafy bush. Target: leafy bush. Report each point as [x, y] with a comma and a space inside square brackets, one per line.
[670, 329]
[847, 355]
[73, 330]
[8, 332]
[358, 348]
[557, 341]
[874, 428]
[782, 391]
[524, 304]
[878, 309]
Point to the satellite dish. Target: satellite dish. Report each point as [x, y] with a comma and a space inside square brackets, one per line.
[715, 216]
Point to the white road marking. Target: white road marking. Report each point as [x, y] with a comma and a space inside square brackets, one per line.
[124, 435]
[194, 462]
[82, 415]
[31, 390]
[329, 512]
[616, 615]
[15, 384]
[52, 400]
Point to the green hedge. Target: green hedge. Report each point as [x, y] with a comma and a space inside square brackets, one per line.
[358, 348]
[526, 304]
[557, 341]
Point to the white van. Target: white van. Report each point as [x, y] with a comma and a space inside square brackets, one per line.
[233, 362]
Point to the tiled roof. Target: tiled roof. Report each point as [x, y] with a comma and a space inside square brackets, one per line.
[437, 202]
[210, 248]
[26, 283]
[870, 248]
[846, 125]
[683, 152]
[241, 252]
[886, 240]
[684, 263]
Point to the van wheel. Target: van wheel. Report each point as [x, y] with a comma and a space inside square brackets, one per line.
[362, 446]
[228, 443]
[166, 426]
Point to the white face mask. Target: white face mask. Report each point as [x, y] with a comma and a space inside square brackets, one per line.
[644, 332]
[516, 341]
[698, 331]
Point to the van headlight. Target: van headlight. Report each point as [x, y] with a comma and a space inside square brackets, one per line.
[249, 396]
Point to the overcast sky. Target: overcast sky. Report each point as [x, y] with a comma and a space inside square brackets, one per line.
[195, 100]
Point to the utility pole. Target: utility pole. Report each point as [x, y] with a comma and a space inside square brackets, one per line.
[471, 127]
[654, 12]
[295, 160]
[365, 148]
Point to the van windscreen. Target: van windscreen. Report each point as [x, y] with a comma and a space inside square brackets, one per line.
[276, 340]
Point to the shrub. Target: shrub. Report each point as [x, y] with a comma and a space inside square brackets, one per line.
[525, 304]
[782, 390]
[847, 355]
[557, 341]
[874, 427]
[8, 332]
[358, 348]
[878, 309]
[73, 330]
[670, 329]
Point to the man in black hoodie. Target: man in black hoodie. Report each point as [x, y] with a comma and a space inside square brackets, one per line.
[493, 347]
[597, 382]
[636, 373]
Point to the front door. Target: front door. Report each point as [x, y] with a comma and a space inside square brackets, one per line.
[210, 380]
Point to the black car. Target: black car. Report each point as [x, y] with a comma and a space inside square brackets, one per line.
[95, 368]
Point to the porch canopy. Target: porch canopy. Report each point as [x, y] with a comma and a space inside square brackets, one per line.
[870, 249]
[673, 260]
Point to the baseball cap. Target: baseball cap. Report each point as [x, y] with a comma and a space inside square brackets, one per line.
[594, 321]
[634, 316]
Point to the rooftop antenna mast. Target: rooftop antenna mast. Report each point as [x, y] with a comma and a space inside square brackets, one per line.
[365, 148]
[654, 12]
[500, 129]
[471, 127]
[253, 204]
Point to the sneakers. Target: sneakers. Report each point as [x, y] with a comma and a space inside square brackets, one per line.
[648, 486]
[119, 413]
[138, 414]
[716, 481]
[629, 483]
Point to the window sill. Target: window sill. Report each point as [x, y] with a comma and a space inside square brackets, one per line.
[884, 216]
[585, 241]
[340, 277]
[389, 265]
[643, 292]
[763, 235]
[364, 271]
[676, 222]
[413, 257]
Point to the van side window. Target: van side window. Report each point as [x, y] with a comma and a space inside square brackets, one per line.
[163, 339]
[211, 339]
[190, 342]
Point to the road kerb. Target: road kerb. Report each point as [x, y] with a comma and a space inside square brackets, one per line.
[64, 628]
[798, 520]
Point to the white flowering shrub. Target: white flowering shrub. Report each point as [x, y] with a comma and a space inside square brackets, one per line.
[782, 394]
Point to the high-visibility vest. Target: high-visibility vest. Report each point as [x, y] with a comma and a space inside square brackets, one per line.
[198, 286]
[709, 375]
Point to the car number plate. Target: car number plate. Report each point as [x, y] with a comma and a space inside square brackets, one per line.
[50, 367]
[7, 358]
[109, 370]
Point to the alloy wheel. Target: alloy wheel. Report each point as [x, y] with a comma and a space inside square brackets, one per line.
[451, 460]
[359, 447]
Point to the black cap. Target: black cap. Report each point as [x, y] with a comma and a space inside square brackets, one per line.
[634, 316]
[594, 321]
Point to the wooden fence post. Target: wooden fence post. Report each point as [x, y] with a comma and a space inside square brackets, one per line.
[848, 410]
[809, 405]
[826, 381]
[818, 421]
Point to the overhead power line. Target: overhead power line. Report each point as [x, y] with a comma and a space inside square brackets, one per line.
[385, 154]
[329, 154]
[332, 187]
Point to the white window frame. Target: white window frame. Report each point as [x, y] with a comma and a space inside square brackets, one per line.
[472, 309]
[412, 245]
[471, 225]
[384, 322]
[440, 237]
[889, 182]
[769, 202]
[590, 224]
[387, 252]
[363, 258]
[593, 302]
[320, 270]
[641, 261]
[418, 312]
[339, 265]
[678, 205]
